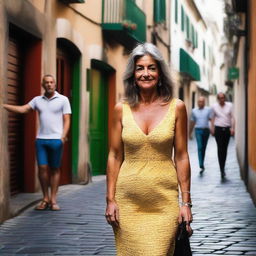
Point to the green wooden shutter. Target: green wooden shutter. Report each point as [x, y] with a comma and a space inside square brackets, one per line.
[187, 27]
[204, 49]
[159, 11]
[182, 19]
[193, 35]
[176, 11]
[196, 39]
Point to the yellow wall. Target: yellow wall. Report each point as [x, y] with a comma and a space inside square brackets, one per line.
[90, 9]
[40, 5]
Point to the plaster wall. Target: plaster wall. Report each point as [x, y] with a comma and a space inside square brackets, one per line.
[239, 108]
[251, 102]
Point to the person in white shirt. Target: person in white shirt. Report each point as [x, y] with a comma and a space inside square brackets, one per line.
[54, 116]
[222, 127]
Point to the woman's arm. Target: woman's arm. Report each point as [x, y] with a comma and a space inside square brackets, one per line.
[182, 162]
[115, 159]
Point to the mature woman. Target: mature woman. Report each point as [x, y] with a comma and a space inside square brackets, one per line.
[142, 179]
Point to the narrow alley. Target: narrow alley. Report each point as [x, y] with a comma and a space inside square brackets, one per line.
[224, 217]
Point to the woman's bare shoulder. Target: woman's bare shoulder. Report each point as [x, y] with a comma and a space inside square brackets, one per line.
[118, 109]
[119, 106]
[180, 106]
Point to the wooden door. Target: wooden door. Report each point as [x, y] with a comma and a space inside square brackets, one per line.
[15, 121]
[98, 122]
[64, 68]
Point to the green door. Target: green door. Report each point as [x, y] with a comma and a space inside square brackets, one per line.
[98, 122]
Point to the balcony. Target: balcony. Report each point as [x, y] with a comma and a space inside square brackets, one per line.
[123, 21]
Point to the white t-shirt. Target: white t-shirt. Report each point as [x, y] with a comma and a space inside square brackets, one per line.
[51, 113]
[223, 114]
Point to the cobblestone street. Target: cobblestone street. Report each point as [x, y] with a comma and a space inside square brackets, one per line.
[224, 217]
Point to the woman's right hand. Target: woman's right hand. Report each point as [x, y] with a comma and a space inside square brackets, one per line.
[112, 213]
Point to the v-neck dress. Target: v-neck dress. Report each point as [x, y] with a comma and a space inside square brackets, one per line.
[147, 188]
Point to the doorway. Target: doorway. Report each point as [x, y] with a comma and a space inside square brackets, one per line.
[68, 84]
[98, 123]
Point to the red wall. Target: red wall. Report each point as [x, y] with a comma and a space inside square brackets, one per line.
[32, 85]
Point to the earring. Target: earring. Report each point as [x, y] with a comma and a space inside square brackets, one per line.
[159, 83]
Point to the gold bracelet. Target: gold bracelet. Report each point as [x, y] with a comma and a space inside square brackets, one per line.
[185, 192]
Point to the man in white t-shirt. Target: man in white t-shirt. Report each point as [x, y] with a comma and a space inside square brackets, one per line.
[54, 116]
[222, 127]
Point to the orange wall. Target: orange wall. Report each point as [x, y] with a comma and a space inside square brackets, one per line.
[252, 87]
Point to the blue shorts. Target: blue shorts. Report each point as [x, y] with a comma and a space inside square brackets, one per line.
[49, 152]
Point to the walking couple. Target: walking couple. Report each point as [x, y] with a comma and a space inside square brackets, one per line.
[222, 127]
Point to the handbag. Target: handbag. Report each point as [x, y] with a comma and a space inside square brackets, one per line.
[182, 246]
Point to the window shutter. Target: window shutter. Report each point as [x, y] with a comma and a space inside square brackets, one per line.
[159, 11]
[182, 19]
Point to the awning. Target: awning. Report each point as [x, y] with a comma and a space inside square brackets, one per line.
[189, 66]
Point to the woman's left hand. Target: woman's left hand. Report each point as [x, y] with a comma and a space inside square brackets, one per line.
[186, 215]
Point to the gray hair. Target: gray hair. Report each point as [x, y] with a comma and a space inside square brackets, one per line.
[165, 85]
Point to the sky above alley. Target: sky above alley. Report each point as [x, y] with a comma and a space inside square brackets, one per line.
[212, 11]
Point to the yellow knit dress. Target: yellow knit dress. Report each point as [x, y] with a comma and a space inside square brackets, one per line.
[147, 189]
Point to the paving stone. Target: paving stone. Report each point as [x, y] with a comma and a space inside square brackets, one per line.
[234, 253]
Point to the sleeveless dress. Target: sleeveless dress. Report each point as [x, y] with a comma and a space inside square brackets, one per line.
[147, 189]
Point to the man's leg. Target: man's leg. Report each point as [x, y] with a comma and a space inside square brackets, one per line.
[43, 173]
[222, 143]
[218, 138]
[205, 138]
[226, 137]
[54, 180]
[199, 140]
[55, 154]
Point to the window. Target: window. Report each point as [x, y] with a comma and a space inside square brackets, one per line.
[204, 49]
[187, 28]
[176, 11]
[182, 19]
[193, 36]
[159, 11]
[196, 40]
[193, 99]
